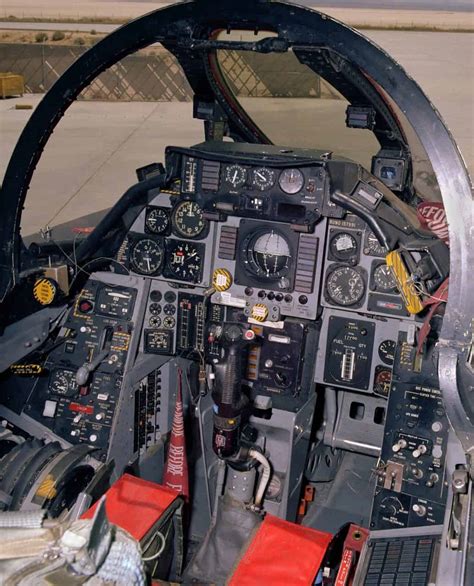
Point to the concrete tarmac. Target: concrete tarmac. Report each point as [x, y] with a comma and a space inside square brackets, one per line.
[92, 156]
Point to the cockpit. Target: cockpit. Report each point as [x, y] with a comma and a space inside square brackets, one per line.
[271, 326]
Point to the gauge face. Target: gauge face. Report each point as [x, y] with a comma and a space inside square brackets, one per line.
[63, 382]
[343, 246]
[291, 181]
[263, 178]
[382, 381]
[384, 279]
[373, 246]
[236, 175]
[188, 220]
[169, 322]
[155, 308]
[154, 321]
[184, 261]
[270, 253]
[387, 351]
[156, 220]
[147, 256]
[345, 286]
[169, 309]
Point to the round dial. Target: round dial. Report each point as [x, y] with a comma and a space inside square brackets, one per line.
[382, 380]
[270, 253]
[169, 322]
[184, 261]
[156, 220]
[169, 309]
[236, 175]
[384, 279]
[155, 308]
[147, 256]
[63, 382]
[373, 246]
[188, 220]
[263, 178]
[387, 351]
[343, 246]
[345, 286]
[291, 181]
[154, 321]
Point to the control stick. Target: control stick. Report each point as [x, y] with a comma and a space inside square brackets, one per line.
[227, 393]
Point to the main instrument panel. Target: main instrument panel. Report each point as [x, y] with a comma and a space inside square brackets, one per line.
[246, 234]
[253, 235]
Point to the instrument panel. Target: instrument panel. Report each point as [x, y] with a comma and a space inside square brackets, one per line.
[263, 241]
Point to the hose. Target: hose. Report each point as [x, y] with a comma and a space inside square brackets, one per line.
[267, 469]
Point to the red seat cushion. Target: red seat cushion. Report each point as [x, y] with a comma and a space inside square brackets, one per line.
[282, 553]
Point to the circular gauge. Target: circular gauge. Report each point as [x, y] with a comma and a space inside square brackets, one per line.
[291, 181]
[345, 286]
[384, 279]
[269, 254]
[343, 246]
[155, 308]
[373, 246]
[382, 381]
[184, 261]
[156, 220]
[188, 220]
[63, 382]
[169, 309]
[236, 175]
[147, 256]
[169, 322]
[263, 178]
[154, 321]
[387, 351]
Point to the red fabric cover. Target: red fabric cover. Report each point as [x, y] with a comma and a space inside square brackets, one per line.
[135, 504]
[176, 468]
[282, 553]
[433, 217]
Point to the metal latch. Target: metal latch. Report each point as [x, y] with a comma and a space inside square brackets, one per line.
[460, 487]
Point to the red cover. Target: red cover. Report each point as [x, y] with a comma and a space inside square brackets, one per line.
[282, 553]
[176, 467]
[135, 504]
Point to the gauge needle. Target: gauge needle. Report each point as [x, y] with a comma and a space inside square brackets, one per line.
[148, 263]
[260, 175]
[234, 178]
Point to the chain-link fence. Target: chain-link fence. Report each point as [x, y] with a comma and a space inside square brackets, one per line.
[155, 75]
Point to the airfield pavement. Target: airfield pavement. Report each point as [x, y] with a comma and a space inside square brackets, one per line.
[91, 158]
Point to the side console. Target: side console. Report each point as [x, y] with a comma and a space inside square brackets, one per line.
[411, 490]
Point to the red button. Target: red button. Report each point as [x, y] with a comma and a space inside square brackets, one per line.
[85, 306]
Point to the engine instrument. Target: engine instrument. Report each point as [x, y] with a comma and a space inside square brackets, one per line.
[383, 279]
[344, 246]
[147, 256]
[184, 261]
[188, 220]
[156, 220]
[263, 178]
[235, 175]
[291, 181]
[345, 286]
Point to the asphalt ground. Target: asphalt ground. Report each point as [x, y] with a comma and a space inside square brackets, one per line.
[92, 156]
